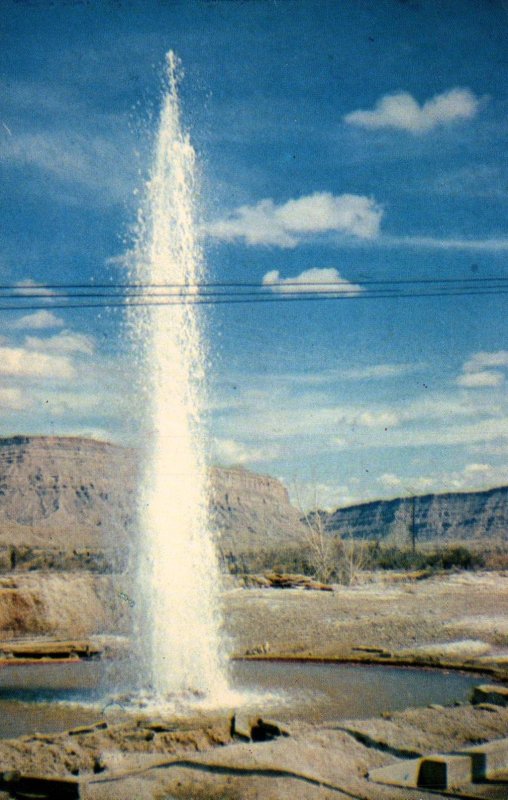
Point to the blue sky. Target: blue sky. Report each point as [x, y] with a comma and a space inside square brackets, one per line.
[360, 141]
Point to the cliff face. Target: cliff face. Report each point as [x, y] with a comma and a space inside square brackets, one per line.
[56, 490]
[76, 498]
[453, 516]
[252, 511]
[73, 492]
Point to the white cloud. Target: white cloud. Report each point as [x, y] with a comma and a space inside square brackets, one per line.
[378, 371]
[12, 399]
[476, 469]
[38, 321]
[64, 342]
[447, 434]
[378, 419]
[29, 288]
[478, 372]
[471, 477]
[403, 112]
[389, 480]
[286, 225]
[474, 380]
[22, 363]
[229, 451]
[326, 279]
[483, 360]
[326, 495]
[499, 245]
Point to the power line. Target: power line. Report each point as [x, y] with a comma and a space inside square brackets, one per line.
[335, 291]
[25, 289]
[225, 299]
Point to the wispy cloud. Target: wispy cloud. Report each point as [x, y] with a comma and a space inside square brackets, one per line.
[493, 245]
[231, 451]
[378, 371]
[12, 399]
[486, 360]
[475, 380]
[24, 363]
[472, 476]
[38, 321]
[289, 411]
[64, 342]
[474, 180]
[483, 369]
[286, 225]
[311, 280]
[403, 112]
[89, 162]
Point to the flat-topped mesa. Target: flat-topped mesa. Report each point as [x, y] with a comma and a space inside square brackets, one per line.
[64, 491]
[73, 492]
[252, 511]
[451, 516]
[227, 480]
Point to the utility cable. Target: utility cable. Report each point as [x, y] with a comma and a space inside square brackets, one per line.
[281, 297]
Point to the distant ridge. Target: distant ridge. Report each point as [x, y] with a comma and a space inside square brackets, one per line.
[447, 516]
[74, 493]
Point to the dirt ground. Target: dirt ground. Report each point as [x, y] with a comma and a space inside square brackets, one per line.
[459, 619]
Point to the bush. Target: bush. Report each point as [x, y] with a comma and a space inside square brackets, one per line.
[450, 557]
[349, 556]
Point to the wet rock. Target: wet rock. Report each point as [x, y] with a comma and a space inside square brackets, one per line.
[487, 693]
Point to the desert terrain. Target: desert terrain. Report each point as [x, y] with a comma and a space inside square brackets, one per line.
[64, 599]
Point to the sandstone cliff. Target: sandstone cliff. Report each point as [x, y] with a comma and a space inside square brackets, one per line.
[64, 490]
[69, 503]
[252, 511]
[70, 493]
[452, 516]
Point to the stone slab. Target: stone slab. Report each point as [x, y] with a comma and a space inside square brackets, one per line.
[40, 787]
[490, 693]
[444, 771]
[404, 773]
[489, 760]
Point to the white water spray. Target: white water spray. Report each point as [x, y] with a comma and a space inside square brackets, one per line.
[178, 575]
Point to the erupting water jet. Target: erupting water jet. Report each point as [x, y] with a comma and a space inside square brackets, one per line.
[178, 569]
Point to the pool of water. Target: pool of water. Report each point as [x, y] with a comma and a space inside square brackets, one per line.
[53, 697]
[324, 692]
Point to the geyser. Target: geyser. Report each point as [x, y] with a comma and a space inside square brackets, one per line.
[178, 570]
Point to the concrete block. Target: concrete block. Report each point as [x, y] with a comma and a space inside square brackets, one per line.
[240, 727]
[444, 771]
[490, 693]
[488, 760]
[40, 787]
[404, 773]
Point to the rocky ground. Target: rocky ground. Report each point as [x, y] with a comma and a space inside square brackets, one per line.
[460, 618]
[456, 620]
[205, 759]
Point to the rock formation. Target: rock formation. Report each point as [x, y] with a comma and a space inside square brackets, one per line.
[252, 511]
[70, 501]
[440, 517]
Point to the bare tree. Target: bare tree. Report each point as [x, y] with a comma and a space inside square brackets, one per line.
[321, 545]
[332, 554]
[353, 557]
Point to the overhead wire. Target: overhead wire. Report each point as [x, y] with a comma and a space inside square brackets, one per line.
[364, 281]
[20, 297]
